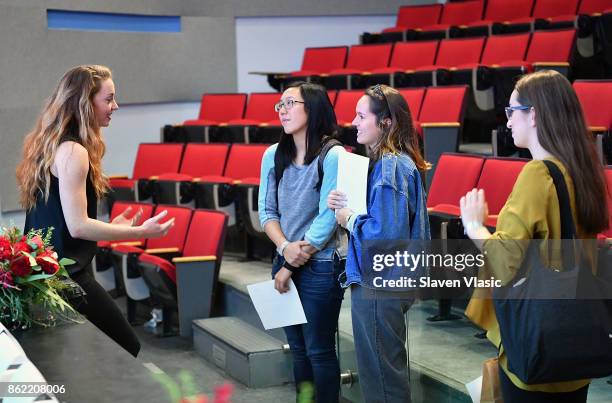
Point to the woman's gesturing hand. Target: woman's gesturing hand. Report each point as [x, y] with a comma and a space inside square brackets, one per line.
[474, 210]
[152, 228]
[122, 219]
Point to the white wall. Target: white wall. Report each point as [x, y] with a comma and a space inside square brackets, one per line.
[134, 124]
[277, 43]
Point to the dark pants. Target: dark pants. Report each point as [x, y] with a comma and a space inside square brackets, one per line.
[514, 394]
[100, 309]
[313, 344]
[379, 332]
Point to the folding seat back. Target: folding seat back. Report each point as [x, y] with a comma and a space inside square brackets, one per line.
[222, 108]
[369, 57]
[261, 107]
[505, 48]
[447, 186]
[461, 13]
[414, 98]
[507, 10]
[155, 159]
[324, 60]
[244, 161]
[120, 206]
[551, 46]
[497, 179]
[553, 8]
[592, 95]
[206, 234]
[411, 17]
[345, 106]
[443, 104]
[457, 52]
[593, 6]
[204, 159]
[175, 238]
[410, 55]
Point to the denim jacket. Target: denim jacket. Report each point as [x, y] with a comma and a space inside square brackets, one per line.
[397, 210]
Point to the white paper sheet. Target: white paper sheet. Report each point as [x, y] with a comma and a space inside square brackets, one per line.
[474, 389]
[276, 309]
[353, 180]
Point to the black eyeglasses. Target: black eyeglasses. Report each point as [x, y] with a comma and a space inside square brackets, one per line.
[510, 109]
[288, 104]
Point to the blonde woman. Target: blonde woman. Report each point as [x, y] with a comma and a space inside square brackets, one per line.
[60, 180]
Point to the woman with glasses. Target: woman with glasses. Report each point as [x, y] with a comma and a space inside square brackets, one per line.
[297, 173]
[546, 118]
[396, 211]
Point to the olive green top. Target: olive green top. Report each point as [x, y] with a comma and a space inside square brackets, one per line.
[531, 212]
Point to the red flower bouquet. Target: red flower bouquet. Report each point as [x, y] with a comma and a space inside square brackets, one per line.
[32, 280]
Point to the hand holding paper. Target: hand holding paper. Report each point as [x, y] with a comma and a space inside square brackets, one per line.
[276, 309]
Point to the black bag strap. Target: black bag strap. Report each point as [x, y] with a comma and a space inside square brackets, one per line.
[278, 169]
[568, 229]
[324, 150]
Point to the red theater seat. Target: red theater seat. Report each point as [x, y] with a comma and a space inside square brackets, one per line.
[188, 283]
[362, 59]
[151, 160]
[413, 17]
[216, 109]
[319, 61]
[199, 161]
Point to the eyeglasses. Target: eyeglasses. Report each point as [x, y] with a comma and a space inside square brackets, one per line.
[510, 109]
[288, 104]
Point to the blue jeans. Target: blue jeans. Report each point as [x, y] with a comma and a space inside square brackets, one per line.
[379, 332]
[313, 344]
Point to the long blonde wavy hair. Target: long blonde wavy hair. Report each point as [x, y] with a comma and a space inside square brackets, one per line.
[70, 105]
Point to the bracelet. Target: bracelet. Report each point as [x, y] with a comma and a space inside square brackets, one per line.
[282, 247]
[471, 226]
[289, 267]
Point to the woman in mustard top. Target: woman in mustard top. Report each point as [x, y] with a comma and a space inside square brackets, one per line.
[546, 118]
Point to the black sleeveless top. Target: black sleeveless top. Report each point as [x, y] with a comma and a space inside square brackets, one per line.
[50, 214]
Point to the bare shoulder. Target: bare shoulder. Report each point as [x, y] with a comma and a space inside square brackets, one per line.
[71, 157]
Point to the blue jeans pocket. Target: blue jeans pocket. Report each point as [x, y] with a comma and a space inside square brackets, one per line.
[321, 267]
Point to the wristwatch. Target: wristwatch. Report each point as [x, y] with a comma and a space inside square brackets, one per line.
[282, 247]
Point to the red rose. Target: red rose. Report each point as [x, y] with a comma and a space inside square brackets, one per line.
[47, 262]
[21, 246]
[5, 249]
[21, 266]
[37, 240]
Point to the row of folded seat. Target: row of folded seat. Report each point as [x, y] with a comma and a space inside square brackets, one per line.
[435, 62]
[178, 271]
[479, 17]
[221, 177]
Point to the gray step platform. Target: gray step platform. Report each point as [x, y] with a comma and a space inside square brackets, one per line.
[244, 352]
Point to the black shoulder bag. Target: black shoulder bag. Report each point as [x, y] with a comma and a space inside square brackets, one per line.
[557, 325]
